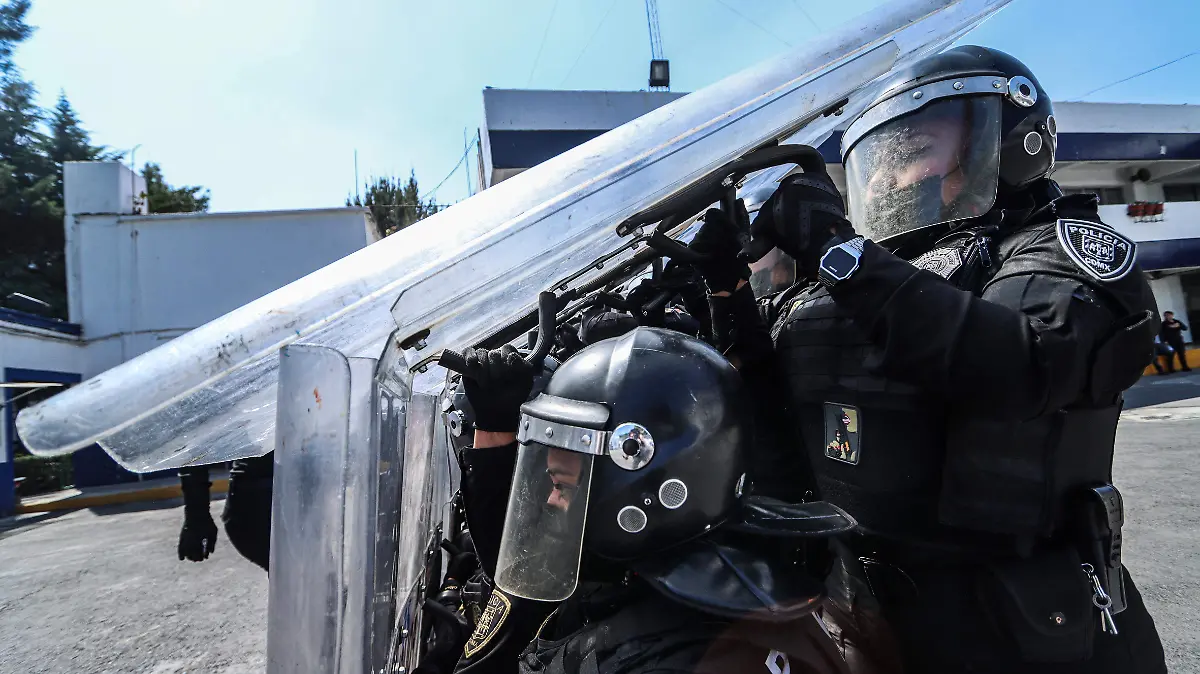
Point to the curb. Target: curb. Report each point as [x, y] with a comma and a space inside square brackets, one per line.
[1191, 350]
[75, 499]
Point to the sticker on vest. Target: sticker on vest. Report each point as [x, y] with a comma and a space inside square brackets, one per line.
[941, 261]
[497, 610]
[1098, 250]
[843, 442]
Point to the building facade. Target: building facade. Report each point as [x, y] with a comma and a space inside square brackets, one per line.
[135, 281]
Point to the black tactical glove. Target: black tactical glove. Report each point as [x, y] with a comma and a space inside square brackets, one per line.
[717, 240]
[198, 538]
[463, 562]
[605, 325]
[804, 218]
[497, 382]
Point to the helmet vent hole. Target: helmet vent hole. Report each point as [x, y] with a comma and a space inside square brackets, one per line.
[672, 494]
[631, 519]
[1025, 89]
[1033, 142]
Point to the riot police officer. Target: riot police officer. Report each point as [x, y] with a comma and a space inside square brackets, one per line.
[965, 348]
[628, 516]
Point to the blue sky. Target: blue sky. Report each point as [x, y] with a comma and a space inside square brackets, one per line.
[265, 101]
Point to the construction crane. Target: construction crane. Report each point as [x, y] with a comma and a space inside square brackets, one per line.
[660, 67]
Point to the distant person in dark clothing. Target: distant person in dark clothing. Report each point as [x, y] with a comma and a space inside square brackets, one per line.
[247, 513]
[1161, 349]
[1172, 334]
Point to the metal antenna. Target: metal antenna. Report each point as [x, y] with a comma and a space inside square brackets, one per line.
[660, 70]
[656, 51]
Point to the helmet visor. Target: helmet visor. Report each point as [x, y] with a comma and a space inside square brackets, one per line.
[543, 528]
[938, 164]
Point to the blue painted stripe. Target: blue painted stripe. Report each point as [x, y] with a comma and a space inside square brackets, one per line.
[523, 149]
[1127, 146]
[35, 321]
[1173, 254]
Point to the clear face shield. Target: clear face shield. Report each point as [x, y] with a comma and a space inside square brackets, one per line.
[542, 542]
[938, 164]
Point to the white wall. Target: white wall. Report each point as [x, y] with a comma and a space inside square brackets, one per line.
[1180, 220]
[35, 349]
[1126, 118]
[145, 279]
[549, 110]
[102, 187]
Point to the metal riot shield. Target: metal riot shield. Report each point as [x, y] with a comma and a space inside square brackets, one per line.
[455, 278]
[333, 542]
[425, 520]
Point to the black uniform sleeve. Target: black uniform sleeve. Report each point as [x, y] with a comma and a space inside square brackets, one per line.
[740, 324]
[1024, 348]
[486, 477]
[740, 330]
[193, 480]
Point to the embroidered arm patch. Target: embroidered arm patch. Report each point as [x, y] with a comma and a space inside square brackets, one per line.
[1097, 249]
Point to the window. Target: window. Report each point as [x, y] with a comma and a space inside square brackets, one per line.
[1108, 195]
[1184, 192]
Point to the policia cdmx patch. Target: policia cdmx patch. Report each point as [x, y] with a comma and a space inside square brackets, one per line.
[490, 621]
[1097, 249]
[843, 442]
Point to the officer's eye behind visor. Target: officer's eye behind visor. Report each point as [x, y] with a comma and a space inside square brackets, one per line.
[542, 541]
[938, 164]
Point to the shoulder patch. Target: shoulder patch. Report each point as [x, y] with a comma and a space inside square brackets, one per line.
[490, 621]
[941, 261]
[1097, 249]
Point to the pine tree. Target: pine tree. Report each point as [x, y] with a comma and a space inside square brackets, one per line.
[394, 205]
[13, 30]
[69, 141]
[162, 198]
[31, 233]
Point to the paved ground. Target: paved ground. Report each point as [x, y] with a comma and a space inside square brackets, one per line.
[1158, 470]
[102, 591]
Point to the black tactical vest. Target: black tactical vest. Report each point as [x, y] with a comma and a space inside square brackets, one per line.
[913, 472]
[653, 634]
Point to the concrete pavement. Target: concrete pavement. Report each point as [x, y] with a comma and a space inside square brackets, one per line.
[102, 591]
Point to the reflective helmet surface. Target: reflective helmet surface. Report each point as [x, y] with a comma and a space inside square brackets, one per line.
[944, 138]
[636, 446]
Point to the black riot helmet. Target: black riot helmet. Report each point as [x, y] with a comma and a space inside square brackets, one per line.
[635, 447]
[944, 139]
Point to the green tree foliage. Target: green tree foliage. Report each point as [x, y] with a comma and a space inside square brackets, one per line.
[13, 29]
[34, 146]
[393, 204]
[31, 232]
[162, 198]
[67, 140]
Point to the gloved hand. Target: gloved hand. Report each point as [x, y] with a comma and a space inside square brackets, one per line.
[717, 240]
[605, 325]
[804, 218]
[198, 538]
[463, 562]
[497, 382]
